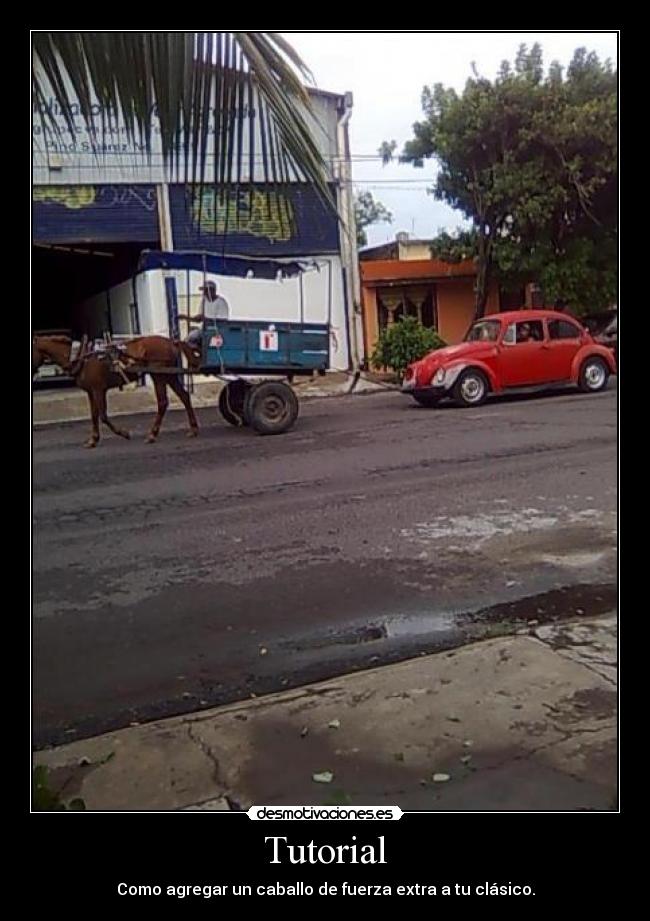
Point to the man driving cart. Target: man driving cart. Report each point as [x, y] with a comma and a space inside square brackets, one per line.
[213, 307]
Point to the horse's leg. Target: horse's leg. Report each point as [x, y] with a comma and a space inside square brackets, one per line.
[161, 399]
[94, 415]
[184, 397]
[103, 414]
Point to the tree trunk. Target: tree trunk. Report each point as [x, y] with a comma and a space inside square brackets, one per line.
[483, 273]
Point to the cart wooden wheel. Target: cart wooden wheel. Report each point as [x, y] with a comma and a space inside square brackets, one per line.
[271, 408]
[231, 402]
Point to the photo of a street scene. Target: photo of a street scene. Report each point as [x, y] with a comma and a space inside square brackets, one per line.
[325, 421]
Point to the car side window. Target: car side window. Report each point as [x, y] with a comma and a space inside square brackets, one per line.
[562, 329]
[529, 331]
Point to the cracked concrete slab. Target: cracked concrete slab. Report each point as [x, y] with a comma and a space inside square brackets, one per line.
[152, 767]
[592, 643]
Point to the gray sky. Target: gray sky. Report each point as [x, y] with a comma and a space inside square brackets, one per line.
[386, 72]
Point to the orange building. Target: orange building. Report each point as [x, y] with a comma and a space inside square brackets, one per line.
[401, 279]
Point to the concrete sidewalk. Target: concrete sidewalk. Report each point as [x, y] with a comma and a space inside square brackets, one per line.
[525, 722]
[71, 404]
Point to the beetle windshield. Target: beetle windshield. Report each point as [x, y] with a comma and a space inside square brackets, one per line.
[484, 331]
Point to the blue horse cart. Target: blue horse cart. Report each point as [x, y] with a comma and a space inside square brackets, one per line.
[257, 359]
[257, 349]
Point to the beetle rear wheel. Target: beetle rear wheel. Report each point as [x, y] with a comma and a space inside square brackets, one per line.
[594, 374]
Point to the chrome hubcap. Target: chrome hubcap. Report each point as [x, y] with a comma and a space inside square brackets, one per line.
[472, 389]
[595, 375]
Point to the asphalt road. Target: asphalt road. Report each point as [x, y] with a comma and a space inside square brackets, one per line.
[194, 572]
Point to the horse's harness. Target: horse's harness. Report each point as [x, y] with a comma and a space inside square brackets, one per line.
[107, 351]
[111, 352]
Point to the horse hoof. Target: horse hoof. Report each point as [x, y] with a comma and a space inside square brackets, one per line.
[193, 433]
[126, 435]
[90, 444]
[150, 439]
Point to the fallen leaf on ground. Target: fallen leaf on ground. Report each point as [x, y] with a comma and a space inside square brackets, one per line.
[323, 777]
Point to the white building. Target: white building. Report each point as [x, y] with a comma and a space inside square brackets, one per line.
[101, 221]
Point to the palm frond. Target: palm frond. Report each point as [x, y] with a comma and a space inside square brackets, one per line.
[185, 75]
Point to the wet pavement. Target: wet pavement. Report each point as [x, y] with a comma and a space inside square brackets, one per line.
[184, 575]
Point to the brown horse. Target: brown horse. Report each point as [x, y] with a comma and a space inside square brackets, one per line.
[97, 374]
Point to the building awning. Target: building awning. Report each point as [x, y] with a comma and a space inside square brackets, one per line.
[222, 265]
[403, 271]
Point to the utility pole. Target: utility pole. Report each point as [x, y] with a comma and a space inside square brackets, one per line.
[348, 234]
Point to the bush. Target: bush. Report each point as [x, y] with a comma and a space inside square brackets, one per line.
[404, 342]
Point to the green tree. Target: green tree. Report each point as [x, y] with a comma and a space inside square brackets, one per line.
[455, 247]
[532, 162]
[367, 211]
[187, 76]
[575, 256]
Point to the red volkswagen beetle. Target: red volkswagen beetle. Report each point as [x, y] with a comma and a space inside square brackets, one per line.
[514, 350]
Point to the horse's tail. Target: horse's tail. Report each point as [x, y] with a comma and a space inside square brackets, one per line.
[192, 355]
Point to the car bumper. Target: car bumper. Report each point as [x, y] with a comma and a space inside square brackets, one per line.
[411, 389]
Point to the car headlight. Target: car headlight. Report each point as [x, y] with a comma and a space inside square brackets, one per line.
[439, 376]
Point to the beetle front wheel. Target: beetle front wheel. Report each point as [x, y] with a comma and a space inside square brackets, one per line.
[471, 388]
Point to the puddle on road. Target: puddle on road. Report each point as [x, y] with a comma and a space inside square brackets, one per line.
[569, 603]
[420, 624]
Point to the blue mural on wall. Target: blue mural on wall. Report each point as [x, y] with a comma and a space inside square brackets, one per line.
[290, 221]
[94, 213]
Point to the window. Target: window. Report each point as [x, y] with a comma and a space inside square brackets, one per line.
[395, 303]
[486, 331]
[429, 310]
[529, 331]
[562, 329]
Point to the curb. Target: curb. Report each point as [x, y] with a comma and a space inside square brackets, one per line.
[202, 403]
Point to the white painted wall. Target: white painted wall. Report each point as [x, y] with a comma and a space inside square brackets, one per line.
[248, 298]
[152, 304]
[121, 299]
